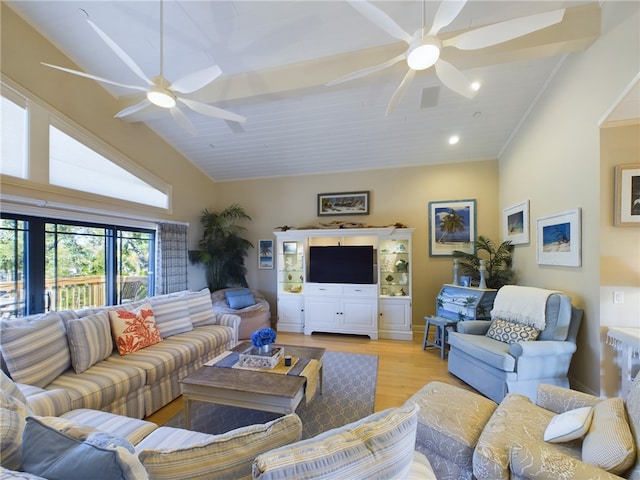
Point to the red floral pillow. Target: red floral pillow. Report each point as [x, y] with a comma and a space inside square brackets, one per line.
[134, 329]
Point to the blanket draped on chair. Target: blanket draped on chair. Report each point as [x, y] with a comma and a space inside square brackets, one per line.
[523, 305]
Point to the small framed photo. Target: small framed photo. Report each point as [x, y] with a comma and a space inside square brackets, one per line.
[265, 254]
[515, 223]
[347, 203]
[627, 192]
[289, 248]
[559, 239]
[452, 226]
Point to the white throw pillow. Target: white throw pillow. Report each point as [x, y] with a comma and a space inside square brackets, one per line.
[569, 425]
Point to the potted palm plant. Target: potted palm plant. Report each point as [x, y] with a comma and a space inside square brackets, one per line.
[221, 249]
[498, 262]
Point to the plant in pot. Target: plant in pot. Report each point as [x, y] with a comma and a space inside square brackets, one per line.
[498, 262]
[221, 249]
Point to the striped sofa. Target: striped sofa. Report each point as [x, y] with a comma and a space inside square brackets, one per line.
[31, 442]
[66, 360]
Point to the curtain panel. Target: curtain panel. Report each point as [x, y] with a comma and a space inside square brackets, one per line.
[171, 263]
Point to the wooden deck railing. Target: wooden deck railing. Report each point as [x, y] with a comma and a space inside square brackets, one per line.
[71, 293]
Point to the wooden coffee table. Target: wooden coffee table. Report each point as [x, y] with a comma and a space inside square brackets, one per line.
[256, 390]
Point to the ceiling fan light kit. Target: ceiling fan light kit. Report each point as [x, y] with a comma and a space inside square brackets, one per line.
[161, 97]
[423, 53]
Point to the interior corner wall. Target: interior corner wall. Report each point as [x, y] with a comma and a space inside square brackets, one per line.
[619, 251]
[91, 106]
[554, 162]
[396, 195]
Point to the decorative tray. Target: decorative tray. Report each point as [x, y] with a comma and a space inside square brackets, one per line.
[253, 358]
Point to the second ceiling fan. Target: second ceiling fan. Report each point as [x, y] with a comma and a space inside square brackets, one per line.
[425, 46]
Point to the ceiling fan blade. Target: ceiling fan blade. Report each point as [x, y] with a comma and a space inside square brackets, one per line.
[447, 12]
[367, 71]
[183, 121]
[501, 32]
[381, 19]
[120, 53]
[211, 111]
[196, 80]
[454, 79]
[400, 91]
[133, 108]
[93, 77]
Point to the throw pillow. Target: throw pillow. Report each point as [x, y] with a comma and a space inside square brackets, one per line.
[201, 308]
[240, 298]
[89, 340]
[171, 315]
[35, 348]
[12, 420]
[378, 446]
[54, 455]
[133, 330]
[609, 443]
[510, 332]
[229, 455]
[568, 425]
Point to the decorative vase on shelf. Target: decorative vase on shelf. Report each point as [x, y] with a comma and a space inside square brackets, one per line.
[483, 274]
[264, 349]
[455, 272]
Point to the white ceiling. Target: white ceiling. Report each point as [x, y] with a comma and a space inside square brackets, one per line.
[277, 56]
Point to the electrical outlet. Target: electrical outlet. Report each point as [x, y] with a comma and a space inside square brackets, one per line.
[618, 297]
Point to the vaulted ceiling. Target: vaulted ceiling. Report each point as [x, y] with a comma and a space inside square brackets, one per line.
[276, 59]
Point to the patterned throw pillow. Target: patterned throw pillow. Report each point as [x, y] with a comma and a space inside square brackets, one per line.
[510, 332]
[135, 329]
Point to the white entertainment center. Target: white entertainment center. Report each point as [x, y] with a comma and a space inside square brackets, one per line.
[379, 307]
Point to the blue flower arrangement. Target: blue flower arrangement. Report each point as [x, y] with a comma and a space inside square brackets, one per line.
[262, 337]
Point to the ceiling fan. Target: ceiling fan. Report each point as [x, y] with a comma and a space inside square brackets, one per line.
[159, 91]
[425, 46]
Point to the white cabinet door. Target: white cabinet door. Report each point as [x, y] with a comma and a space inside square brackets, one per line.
[395, 319]
[321, 314]
[357, 314]
[291, 313]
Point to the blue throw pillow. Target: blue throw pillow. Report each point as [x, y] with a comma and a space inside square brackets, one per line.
[51, 454]
[240, 298]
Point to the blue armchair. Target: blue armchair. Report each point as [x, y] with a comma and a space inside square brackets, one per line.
[495, 367]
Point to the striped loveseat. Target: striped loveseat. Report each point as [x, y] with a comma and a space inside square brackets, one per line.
[67, 360]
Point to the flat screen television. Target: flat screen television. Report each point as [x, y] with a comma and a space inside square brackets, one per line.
[341, 264]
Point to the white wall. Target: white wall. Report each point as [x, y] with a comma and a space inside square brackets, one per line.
[554, 161]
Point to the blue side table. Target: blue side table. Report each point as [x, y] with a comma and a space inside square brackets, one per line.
[441, 334]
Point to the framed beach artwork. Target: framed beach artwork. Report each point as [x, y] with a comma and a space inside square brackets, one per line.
[265, 254]
[627, 192]
[347, 203]
[559, 239]
[452, 226]
[515, 223]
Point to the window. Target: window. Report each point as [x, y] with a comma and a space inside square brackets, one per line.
[72, 265]
[12, 264]
[13, 128]
[74, 165]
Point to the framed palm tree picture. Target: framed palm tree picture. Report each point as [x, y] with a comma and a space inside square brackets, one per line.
[452, 226]
[265, 254]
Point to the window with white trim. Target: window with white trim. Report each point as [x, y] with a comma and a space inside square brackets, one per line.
[13, 136]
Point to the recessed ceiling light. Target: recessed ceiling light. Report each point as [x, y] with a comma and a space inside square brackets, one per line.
[453, 139]
[475, 86]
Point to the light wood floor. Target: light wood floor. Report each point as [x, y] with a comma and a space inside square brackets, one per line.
[403, 367]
